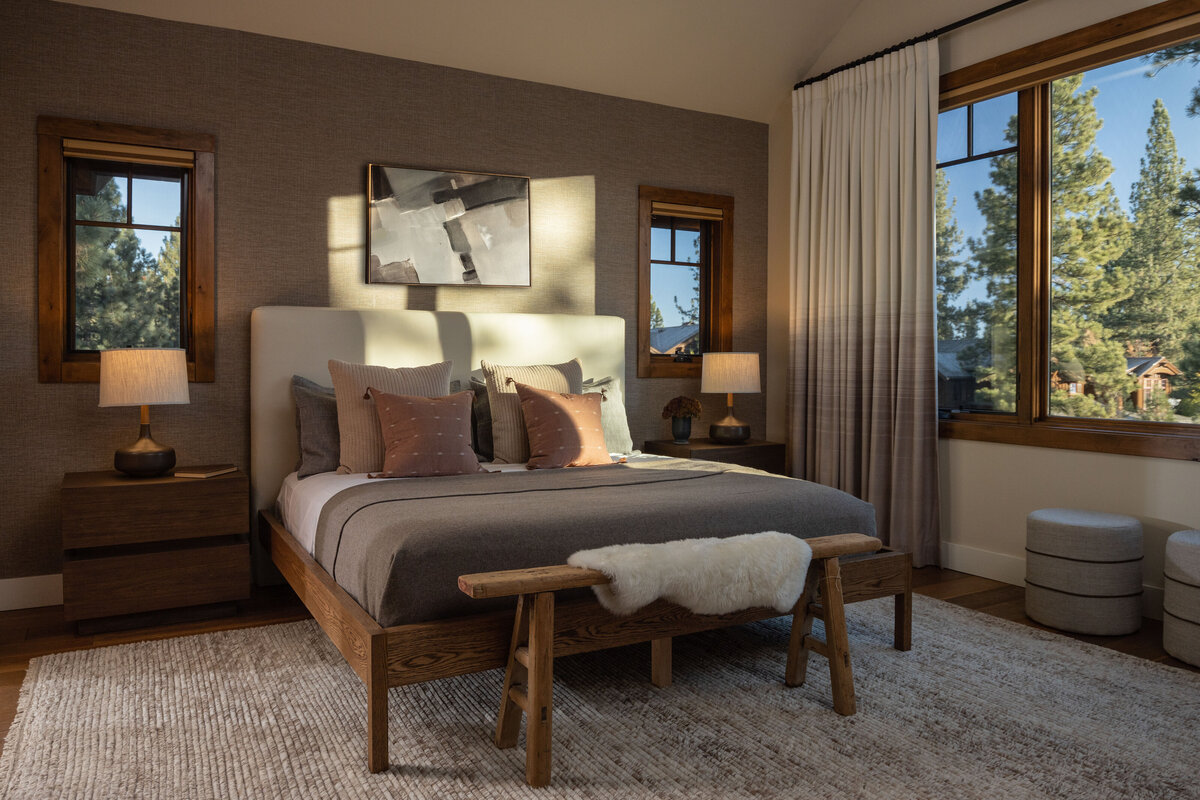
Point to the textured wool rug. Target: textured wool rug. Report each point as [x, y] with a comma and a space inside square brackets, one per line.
[980, 708]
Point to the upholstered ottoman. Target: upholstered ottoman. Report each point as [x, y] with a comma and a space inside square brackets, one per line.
[1181, 597]
[1083, 571]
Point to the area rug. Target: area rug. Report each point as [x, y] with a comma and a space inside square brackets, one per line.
[980, 708]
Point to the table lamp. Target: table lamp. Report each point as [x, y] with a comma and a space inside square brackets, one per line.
[729, 373]
[143, 377]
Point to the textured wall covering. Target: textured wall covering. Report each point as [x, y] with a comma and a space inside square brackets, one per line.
[296, 125]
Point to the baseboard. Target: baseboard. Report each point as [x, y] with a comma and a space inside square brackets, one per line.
[984, 563]
[31, 592]
[1011, 569]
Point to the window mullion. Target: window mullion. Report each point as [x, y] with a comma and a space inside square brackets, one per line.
[1033, 210]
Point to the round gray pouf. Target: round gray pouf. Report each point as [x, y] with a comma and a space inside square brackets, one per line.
[1181, 597]
[1083, 571]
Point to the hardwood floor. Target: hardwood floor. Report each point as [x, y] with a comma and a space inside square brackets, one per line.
[33, 632]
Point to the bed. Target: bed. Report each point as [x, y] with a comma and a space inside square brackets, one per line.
[424, 630]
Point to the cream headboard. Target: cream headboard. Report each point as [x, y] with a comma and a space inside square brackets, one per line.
[293, 340]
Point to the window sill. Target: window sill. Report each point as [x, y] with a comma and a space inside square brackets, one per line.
[1079, 435]
[666, 367]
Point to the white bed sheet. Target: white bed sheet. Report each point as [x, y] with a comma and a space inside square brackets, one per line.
[300, 501]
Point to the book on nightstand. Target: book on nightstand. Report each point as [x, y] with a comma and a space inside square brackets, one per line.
[204, 471]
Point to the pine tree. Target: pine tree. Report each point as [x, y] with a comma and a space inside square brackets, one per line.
[1088, 232]
[953, 321]
[125, 296]
[994, 261]
[656, 317]
[1156, 267]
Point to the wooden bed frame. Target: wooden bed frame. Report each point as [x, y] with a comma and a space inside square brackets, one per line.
[287, 341]
[387, 657]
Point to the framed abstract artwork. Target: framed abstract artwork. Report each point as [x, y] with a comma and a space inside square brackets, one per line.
[442, 228]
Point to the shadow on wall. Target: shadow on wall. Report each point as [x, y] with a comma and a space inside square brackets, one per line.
[562, 252]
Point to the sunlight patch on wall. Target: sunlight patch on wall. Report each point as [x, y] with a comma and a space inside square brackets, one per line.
[563, 258]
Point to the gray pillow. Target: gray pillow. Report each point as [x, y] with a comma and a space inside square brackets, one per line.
[481, 409]
[316, 427]
[481, 414]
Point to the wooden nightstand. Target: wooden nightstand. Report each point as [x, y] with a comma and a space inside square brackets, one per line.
[137, 545]
[768, 456]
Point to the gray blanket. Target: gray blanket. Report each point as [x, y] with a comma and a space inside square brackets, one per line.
[398, 547]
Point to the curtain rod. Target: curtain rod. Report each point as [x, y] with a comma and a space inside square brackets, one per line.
[953, 26]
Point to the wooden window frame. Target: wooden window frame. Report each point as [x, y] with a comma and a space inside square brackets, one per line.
[1029, 71]
[57, 362]
[717, 306]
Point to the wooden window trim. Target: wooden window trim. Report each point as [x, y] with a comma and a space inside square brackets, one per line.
[719, 302]
[1029, 70]
[55, 363]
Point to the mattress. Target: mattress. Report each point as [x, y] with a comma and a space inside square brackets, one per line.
[398, 546]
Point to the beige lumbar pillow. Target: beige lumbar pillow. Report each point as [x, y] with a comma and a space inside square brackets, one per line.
[362, 447]
[509, 441]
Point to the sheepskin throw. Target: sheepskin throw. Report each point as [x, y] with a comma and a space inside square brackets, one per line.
[706, 576]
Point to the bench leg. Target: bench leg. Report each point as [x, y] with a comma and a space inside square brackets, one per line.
[660, 662]
[802, 620]
[541, 690]
[826, 575]
[508, 723]
[903, 631]
[837, 642]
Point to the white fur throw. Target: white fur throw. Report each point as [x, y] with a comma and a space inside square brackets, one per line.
[706, 576]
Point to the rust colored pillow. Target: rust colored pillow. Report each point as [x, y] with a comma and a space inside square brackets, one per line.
[425, 436]
[564, 429]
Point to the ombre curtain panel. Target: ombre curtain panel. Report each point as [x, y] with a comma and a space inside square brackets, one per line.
[863, 383]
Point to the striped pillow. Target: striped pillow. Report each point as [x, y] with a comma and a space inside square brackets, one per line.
[361, 441]
[564, 429]
[510, 444]
[425, 436]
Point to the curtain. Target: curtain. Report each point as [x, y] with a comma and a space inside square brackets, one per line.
[863, 383]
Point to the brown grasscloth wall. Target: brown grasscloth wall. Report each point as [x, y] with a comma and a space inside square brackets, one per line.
[296, 125]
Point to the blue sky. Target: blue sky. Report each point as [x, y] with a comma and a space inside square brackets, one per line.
[1124, 102]
[155, 202]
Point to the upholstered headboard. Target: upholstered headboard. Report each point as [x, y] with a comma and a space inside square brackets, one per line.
[293, 340]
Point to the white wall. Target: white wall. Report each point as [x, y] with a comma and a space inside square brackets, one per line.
[987, 489]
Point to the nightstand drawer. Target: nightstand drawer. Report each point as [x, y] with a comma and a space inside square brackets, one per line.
[99, 510]
[155, 579]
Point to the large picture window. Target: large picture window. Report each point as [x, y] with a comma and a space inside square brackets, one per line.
[1068, 249]
[125, 245]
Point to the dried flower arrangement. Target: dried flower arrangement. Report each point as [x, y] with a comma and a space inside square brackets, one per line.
[681, 407]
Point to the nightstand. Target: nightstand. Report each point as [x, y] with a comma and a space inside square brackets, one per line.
[767, 456]
[138, 545]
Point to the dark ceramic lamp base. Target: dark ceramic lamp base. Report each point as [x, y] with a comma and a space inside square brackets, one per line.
[145, 458]
[729, 430]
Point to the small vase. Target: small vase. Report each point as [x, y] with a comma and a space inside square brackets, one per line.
[681, 429]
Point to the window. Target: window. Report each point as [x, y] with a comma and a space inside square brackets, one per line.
[685, 280]
[1067, 207]
[976, 269]
[125, 245]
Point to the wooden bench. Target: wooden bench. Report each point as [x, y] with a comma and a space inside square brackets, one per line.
[528, 678]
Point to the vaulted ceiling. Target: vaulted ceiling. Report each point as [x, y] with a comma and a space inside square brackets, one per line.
[732, 57]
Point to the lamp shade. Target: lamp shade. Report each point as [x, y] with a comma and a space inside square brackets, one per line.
[730, 373]
[143, 377]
